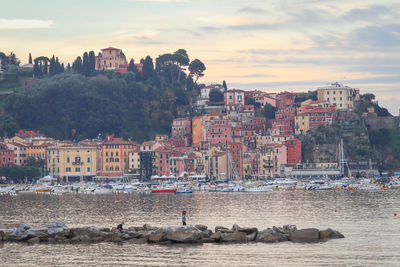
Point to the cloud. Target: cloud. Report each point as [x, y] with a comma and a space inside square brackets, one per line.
[161, 1]
[381, 36]
[252, 76]
[367, 13]
[252, 10]
[13, 24]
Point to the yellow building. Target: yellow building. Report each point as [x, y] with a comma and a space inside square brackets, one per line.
[72, 161]
[336, 94]
[266, 162]
[115, 156]
[37, 151]
[110, 58]
[197, 129]
[301, 124]
[218, 164]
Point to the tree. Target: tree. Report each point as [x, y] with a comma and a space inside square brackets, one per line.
[13, 59]
[224, 85]
[368, 97]
[92, 62]
[148, 67]
[216, 95]
[131, 66]
[68, 67]
[269, 111]
[85, 65]
[77, 65]
[30, 58]
[197, 68]
[249, 101]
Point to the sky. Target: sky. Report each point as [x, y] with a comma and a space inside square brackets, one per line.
[274, 45]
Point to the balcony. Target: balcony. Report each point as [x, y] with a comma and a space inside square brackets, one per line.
[77, 163]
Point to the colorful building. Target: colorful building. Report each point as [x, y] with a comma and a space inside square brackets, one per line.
[72, 161]
[234, 96]
[182, 130]
[19, 152]
[197, 129]
[342, 97]
[293, 151]
[111, 58]
[115, 156]
[6, 156]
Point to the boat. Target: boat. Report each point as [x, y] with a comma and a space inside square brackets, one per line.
[164, 190]
[184, 190]
[262, 188]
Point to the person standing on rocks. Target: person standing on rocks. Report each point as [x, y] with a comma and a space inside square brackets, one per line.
[119, 227]
[184, 217]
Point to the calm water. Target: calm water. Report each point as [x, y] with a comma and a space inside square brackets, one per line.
[365, 218]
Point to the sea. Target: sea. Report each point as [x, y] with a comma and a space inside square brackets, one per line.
[366, 218]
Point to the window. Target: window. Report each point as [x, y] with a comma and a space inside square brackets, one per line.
[68, 169]
[88, 169]
[77, 159]
[78, 169]
[88, 159]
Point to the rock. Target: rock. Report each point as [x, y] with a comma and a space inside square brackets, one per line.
[54, 225]
[216, 236]
[104, 229]
[235, 227]
[149, 227]
[248, 230]
[183, 234]
[206, 233]
[134, 234]
[24, 226]
[201, 227]
[252, 236]
[221, 229]
[271, 236]
[156, 237]
[239, 237]
[34, 240]
[289, 228]
[3, 236]
[305, 235]
[329, 234]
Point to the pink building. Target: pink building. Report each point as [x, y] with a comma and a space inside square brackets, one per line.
[19, 152]
[163, 157]
[284, 120]
[265, 98]
[285, 99]
[234, 96]
[181, 129]
[218, 132]
[280, 157]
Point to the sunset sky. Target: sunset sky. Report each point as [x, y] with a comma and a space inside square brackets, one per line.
[272, 45]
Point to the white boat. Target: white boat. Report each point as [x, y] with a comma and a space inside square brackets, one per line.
[261, 188]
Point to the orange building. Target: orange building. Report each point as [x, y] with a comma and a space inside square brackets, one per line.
[197, 129]
[115, 156]
[111, 58]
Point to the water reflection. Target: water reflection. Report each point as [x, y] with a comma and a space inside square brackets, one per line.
[365, 218]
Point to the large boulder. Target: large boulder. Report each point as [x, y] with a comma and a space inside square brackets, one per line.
[206, 233]
[252, 236]
[329, 234]
[34, 240]
[216, 236]
[182, 234]
[201, 227]
[237, 237]
[305, 235]
[222, 229]
[271, 236]
[247, 230]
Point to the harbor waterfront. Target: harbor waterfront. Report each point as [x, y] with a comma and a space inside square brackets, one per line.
[366, 218]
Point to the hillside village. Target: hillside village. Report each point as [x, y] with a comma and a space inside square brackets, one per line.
[232, 133]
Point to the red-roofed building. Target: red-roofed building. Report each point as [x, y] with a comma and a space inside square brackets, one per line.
[111, 58]
[293, 151]
[115, 156]
[6, 156]
[234, 96]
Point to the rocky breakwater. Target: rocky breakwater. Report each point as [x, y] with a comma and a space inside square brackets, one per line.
[58, 232]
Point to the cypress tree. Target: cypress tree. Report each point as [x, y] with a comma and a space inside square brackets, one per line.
[30, 58]
[85, 64]
[53, 68]
[92, 63]
[224, 85]
[45, 67]
[69, 67]
[77, 65]
[132, 66]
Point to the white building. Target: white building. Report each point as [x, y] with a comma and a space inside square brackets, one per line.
[205, 94]
[338, 95]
